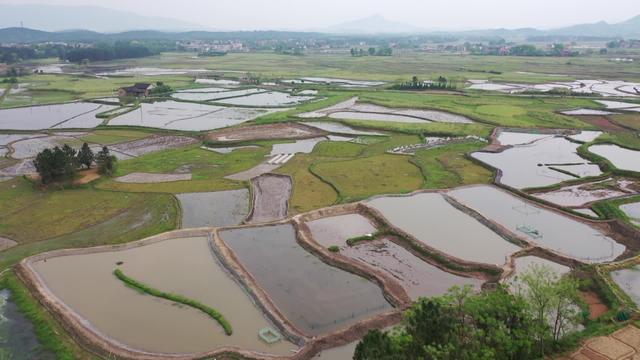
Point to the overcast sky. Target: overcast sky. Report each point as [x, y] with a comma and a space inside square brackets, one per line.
[428, 14]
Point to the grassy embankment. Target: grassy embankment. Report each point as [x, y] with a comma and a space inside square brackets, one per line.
[213, 313]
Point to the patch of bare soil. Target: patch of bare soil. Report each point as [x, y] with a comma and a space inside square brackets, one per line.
[6, 243]
[264, 132]
[149, 178]
[87, 176]
[152, 144]
[270, 198]
[253, 172]
[602, 123]
[596, 306]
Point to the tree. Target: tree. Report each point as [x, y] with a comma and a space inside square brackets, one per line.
[552, 300]
[371, 51]
[85, 156]
[462, 325]
[55, 164]
[106, 162]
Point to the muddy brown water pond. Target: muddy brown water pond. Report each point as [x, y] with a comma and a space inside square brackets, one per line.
[430, 219]
[582, 194]
[625, 159]
[336, 230]
[214, 209]
[540, 226]
[629, 281]
[315, 297]
[270, 198]
[86, 284]
[418, 278]
[17, 335]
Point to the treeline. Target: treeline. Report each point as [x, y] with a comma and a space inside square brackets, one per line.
[62, 163]
[85, 52]
[509, 49]
[381, 51]
[529, 319]
[441, 83]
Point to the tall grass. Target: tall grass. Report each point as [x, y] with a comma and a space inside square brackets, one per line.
[175, 298]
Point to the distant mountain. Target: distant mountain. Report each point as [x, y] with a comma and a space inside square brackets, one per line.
[629, 28]
[57, 18]
[375, 24]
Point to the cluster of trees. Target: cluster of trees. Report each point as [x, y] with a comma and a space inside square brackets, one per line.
[525, 323]
[15, 54]
[161, 88]
[285, 49]
[510, 49]
[381, 51]
[61, 163]
[441, 83]
[108, 51]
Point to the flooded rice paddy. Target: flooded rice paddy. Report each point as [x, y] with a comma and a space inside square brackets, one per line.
[314, 296]
[336, 230]
[17, 335]
[217, 82]
[601, 87]
[632, 211]
[532, 165]
[149, 71]
[351, 109]
[511, 138]
[540, 226]
[587, 112]
[432, 220]
[338, 128]
[629, 281]
[419, 278]
[152, 144]
[586, 136]
[304, 146]
[267, 99]
[270, 197]
[71, 115]
[29, 148]
[622, 158]
[86, 284]
[187, 116]
[151, 178]
[583, 194]
[525, 264]
[214, 209]
[333, 81]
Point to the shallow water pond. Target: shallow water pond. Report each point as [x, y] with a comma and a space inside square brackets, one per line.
[580, 195]
[17, 336]
[86, 284]
[624, 159]
[629, 282]
[433, 221]
[540, 226]
[353, 115]
[214, 209]
[632, 211]
[419, 278]
[507, 138]
[336, 230]
[527, 166]
[304, 146]
[314, 296]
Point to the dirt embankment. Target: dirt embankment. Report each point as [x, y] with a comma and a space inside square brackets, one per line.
[271, 194]
[264, 132]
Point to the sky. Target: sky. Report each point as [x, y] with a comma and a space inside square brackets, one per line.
[425, 14]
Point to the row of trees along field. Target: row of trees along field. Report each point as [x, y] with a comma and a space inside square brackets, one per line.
[526, 320]
[62, 163]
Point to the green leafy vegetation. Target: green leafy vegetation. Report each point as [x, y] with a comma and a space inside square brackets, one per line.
[501, 324]
[214, 314]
